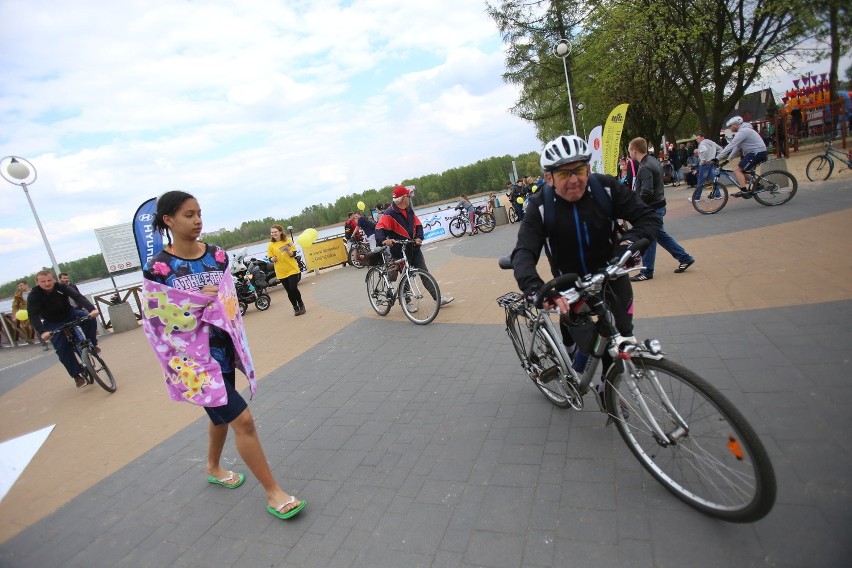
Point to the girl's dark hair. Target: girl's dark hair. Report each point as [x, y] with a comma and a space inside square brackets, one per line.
[168, 204]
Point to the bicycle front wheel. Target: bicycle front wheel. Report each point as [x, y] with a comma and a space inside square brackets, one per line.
[819, 168]
[713, 197]
[775, 188]
[544, 365]
[419, 297]
[513, 215]
[486, 223]
[98, 370]
[378, 290]
[712, 459]
[458, 227]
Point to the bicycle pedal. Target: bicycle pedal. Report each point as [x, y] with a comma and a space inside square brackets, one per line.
[549, 374]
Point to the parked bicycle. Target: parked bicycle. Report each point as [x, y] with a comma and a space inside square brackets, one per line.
[682, 430]
[775, 187]
[417, 290]
[94, 368]
[819, 168]
[483, 221]
[359, 247]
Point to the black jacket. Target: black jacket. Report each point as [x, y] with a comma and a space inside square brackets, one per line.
[649, 182]
[55, 306]
[582, 240]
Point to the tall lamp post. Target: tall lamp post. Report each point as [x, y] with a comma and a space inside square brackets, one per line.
[562, 49]
[19, 171]
[580, 107]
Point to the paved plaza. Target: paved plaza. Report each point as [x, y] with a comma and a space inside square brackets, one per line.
[428, 446]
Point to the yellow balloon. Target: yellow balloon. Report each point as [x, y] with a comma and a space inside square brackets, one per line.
[22, 315]
[307, 238]
[534, 188]
[520, 200]
[361, 206]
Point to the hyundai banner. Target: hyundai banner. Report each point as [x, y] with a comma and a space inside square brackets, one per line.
[149, 242]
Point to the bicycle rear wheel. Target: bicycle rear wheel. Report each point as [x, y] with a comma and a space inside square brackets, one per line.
[544, 365]
[378, 290]
[513, 215]
[98, 370]
[819, 168]
[712, 460]
[486, 222]
[775, 188]
[419, 297]
[714, 196]
[457, 227]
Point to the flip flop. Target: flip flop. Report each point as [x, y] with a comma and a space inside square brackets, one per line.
[225, 481]
[291, 513]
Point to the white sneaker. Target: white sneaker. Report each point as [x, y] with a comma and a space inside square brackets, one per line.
[446, 300]
[411, 308]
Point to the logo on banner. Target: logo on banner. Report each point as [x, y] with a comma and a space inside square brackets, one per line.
[149, 242]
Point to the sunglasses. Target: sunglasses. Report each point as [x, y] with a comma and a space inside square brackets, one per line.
[565, 174]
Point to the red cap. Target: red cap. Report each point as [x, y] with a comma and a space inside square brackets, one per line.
[400, 191]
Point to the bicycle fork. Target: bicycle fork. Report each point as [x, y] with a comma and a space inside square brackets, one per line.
[631, 375]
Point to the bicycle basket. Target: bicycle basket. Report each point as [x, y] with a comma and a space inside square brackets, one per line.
[373, 258]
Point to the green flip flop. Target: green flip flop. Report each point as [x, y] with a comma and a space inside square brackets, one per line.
[291, 513]
[225, 482]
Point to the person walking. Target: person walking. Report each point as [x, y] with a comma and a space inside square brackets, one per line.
[19, 302]
[282, 252]
[193, 323]
[707, 151]
[649, 184]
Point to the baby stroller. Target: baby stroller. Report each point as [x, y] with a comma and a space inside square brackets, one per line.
[668, 172]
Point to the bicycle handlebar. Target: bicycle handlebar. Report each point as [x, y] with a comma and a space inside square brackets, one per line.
[561, 284]
[70, 324]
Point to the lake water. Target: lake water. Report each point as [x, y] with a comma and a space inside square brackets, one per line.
[105, 285]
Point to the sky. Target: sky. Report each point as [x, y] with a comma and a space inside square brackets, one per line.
[259, 108]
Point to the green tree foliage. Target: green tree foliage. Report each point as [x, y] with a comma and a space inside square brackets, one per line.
[678, 63]
[88, 268]
[833, 22]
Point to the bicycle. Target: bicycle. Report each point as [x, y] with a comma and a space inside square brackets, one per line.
[483, 222]
[95, 369]
[775, 187]
[513, 215]
[820, 167]
[682, 430]
[417, 291]
[358, 249]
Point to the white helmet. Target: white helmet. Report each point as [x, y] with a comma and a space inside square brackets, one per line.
[564, 150]
[734, 120]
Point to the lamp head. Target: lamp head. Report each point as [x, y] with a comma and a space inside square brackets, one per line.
[18, 170]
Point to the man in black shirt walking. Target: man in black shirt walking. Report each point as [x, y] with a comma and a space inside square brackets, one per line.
[49, 307]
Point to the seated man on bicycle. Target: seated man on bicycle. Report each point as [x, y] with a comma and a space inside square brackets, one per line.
[574, 218]
[49, 308]
[748, 143]
[400, 222]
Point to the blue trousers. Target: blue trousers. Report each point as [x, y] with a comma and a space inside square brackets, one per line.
[667, 242]
[704, 172]
[64, 349]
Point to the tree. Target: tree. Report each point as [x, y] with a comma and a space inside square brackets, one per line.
[833, 21]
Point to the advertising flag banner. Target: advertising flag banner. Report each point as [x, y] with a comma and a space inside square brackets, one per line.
[596, 146]
[612, 138]
[149, 242]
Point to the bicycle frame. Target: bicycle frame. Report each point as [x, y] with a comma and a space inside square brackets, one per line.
[831, 153]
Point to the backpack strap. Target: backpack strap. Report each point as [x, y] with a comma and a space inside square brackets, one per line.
[601, 194]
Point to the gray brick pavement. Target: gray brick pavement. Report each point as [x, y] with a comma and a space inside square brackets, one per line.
[431, 448]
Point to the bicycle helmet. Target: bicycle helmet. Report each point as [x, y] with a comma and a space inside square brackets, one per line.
[564, 150]
[734, 120]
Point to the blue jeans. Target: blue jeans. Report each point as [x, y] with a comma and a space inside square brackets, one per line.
[704, 172]
[64, 350]
[667, 242]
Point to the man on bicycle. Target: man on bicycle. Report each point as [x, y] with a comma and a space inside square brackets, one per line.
[400, 222]
[49, 308]
[748, 143]
[574, 217]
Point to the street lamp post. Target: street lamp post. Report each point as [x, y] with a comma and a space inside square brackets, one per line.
[19, 171]
[562, 49]
[580, 107]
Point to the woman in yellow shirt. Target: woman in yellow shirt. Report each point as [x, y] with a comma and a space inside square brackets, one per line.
[282, 252]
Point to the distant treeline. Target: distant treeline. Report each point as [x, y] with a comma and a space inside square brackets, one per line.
[485, 175]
